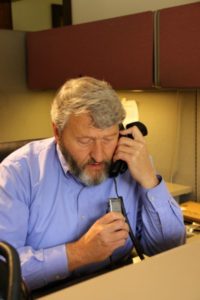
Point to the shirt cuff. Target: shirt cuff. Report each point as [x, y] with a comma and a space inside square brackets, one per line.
[56, 263]
[158, 196]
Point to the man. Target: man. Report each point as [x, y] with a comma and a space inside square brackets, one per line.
[54, 192]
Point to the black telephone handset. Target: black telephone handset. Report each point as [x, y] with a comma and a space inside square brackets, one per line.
[120, 166]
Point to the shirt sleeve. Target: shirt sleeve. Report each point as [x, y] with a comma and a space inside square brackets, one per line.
[162, 221]
[39, 266]
[43, 266]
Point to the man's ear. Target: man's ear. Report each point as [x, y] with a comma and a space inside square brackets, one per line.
[56, 132]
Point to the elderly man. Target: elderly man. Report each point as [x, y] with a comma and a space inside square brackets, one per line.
[54, 192]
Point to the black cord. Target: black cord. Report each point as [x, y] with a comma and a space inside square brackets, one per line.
[131, 234]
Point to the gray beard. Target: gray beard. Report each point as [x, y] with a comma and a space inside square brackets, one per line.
[79, 171]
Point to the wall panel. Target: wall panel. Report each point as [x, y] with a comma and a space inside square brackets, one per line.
[119, 50]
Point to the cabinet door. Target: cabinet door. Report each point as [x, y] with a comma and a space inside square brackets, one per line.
[179, 47]
[119, 50]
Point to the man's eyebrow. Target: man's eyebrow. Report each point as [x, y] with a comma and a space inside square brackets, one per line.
[91, 137]
[112, 134]
[84, 137]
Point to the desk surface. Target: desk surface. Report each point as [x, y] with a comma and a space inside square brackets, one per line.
[178, 189]
[173, 274]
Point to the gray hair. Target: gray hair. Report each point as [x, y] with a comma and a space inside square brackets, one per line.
[87, 95]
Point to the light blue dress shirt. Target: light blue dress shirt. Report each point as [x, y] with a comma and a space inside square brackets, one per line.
[43, 207]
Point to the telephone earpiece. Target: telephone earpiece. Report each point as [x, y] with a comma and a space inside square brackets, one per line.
[120, 166]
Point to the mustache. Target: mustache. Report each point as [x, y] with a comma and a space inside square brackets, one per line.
[93, 161]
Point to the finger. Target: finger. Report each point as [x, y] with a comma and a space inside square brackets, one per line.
[119, 235]
[118, 225]
[111, 217]
[128, 148]
[135, 132]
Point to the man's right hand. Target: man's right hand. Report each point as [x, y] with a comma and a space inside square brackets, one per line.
[105, 235]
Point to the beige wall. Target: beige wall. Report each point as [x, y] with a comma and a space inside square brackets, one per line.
[32, 15]
[25, 115]
[91, 10]
[170, 118]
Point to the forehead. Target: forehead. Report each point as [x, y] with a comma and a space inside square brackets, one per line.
[81, 125]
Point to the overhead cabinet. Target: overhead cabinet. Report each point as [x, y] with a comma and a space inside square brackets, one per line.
[119, 50]
[178, 47]
[130, 51]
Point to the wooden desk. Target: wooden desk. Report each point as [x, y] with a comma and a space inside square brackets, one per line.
[172, 275]
[191, 211]
[178, 189]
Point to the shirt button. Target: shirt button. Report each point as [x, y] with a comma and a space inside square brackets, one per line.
[57, 277]
[152, 198]
[82, 217]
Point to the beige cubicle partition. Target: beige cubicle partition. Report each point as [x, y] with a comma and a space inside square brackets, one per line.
[174, 274]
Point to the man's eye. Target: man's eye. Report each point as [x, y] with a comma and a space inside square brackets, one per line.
[85, 141]
[108, 139]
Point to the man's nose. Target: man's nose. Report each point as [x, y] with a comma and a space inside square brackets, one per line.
[97, 151]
